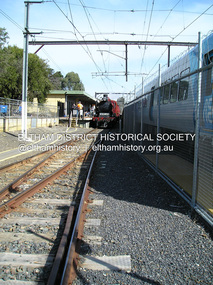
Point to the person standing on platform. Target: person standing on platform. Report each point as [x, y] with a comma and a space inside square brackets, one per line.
[80, 108]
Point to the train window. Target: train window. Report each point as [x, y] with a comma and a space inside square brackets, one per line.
[207, 74]
[166, 94]
[174, 89]
[185, 71]
[155, 103]
[161, 95]
[183, 89]
[207, 82]
[208, 58]
[144, 101]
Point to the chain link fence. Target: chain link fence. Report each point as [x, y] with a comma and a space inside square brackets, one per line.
[38, 115]
[173, 128]
[13, 108]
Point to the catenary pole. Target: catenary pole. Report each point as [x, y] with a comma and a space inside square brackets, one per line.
[25, 67]
[25, 72]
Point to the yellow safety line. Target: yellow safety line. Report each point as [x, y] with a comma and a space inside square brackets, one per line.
[31, 142]
[22, 153]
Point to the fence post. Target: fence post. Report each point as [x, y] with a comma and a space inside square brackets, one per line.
[197, 128]
[158, 115]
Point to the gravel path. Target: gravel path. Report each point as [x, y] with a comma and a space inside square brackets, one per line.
[143, 217]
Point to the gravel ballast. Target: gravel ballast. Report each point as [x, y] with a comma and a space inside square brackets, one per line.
[142, 216]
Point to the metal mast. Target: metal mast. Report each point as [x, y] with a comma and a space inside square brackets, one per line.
[25, 68]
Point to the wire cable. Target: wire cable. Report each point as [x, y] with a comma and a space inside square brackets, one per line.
[11, 20]
[147, 34]
[180, 34]
[78, 32]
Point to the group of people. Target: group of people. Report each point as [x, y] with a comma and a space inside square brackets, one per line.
[78, 110]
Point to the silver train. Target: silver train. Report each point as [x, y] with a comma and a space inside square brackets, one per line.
[178, 95]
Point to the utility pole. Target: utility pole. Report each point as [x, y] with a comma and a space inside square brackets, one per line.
[25, 68]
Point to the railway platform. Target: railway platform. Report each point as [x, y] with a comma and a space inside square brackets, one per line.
[14, 148]
[138, 230]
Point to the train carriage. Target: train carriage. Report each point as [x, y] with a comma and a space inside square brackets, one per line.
[179, 102]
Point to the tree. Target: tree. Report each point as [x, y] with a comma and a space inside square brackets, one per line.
[38, 78]
[72, 82]
[11, 62]
[11, 72]
[3, 37]
[56, 80]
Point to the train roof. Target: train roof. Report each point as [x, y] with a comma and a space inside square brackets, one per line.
[185, 64]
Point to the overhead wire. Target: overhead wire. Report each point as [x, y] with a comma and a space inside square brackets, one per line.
[87, 16]
[11, 20]
[93, 33]
[86, 34]
[78, 32]
[148, 29]
[147, 34]
[51, 59]
[71, 15]
[180, 34]
[87, 51]
[167, 17]
[170, 11]
[192, 22]
[125, 10]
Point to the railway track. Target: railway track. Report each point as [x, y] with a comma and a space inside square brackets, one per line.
[31, 233]
[12, 170]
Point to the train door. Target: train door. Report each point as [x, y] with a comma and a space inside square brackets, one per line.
[207, 93]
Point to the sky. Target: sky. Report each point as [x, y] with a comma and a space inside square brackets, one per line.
[102, 67]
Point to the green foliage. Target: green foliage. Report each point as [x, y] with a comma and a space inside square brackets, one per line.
[40, 77]
[11, 72]
[56, 80]
[11, 62]
[72, 82]
[3, 37]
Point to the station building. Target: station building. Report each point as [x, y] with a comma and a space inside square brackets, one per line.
[64, 100]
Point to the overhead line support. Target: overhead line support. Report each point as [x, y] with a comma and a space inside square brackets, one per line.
[108, 42]
[139, 43]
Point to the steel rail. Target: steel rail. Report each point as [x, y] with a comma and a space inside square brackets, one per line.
[23, 161]
[71, 261]
[58, 261]
[15, 183]
[13, 203]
